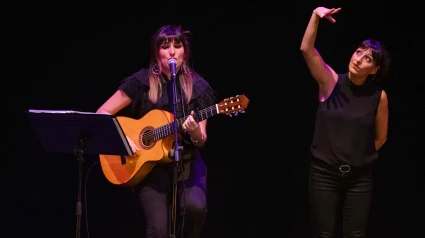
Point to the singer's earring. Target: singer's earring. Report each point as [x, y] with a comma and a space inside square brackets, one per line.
[183, 68]
[155, 69]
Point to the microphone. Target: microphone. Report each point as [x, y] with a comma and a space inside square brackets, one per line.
[172, 63]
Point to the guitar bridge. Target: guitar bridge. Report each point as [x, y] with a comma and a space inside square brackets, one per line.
[123, 160]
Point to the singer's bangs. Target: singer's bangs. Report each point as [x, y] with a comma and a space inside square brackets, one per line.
[168, 38]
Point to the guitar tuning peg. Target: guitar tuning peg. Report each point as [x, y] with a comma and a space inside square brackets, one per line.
[230, 114]
[236, 113]
[243, 111]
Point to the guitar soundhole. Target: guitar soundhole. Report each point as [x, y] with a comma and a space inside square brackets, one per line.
[147, 138]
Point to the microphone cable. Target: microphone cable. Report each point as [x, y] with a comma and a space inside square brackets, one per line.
[85, 197]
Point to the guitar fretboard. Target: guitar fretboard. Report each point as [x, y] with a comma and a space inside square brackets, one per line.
[168, 129]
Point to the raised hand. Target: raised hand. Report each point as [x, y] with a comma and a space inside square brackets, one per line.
[327, 13]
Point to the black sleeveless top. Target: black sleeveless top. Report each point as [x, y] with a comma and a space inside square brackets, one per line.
[345, 124]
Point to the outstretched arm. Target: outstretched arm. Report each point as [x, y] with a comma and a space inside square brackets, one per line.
[321, 72]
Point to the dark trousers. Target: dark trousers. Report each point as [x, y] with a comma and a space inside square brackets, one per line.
[339, 198]
[155, 194]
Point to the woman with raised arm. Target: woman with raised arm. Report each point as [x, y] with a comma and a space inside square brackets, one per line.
[351, 126]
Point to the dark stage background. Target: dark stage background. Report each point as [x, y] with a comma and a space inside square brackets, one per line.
[69, 55]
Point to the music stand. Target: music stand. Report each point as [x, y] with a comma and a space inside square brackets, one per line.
[79, 133]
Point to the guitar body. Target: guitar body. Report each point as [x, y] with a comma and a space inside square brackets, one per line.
[154, 135]
[130, 170]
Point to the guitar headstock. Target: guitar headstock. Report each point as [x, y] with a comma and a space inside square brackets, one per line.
[233, 105]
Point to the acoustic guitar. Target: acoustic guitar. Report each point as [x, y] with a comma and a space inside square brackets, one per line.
[154, 135]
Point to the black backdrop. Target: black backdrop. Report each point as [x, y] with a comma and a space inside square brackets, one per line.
[69, 55]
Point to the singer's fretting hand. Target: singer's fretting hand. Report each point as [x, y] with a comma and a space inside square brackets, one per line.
[324, 12]
[133, 145]
[190, 124]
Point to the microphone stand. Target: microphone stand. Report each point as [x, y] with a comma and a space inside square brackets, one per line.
[176, 155]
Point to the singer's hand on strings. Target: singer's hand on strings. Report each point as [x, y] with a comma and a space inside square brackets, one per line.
[133, 145]
[324, 12]
[190, 124]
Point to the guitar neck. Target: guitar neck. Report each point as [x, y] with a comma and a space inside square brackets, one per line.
[168, 129]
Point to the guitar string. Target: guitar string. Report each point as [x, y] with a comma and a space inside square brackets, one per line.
[163, 130]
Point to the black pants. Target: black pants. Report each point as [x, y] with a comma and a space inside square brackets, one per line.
[335, 195]
[154, 196]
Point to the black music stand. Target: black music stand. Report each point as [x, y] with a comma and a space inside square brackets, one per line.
[79, 133]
